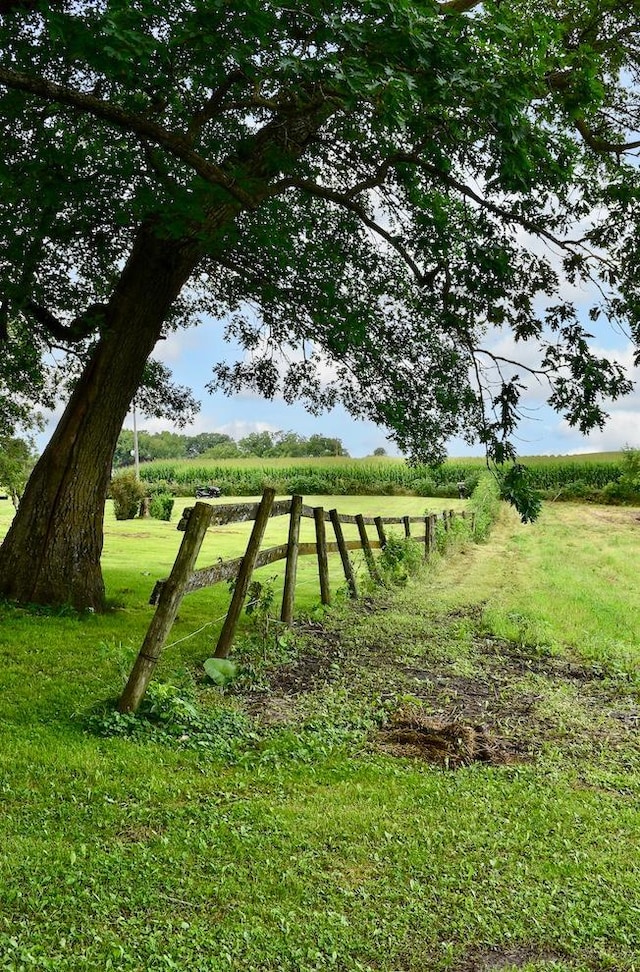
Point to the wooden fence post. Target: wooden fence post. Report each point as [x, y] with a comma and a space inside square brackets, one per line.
[433, 527]
[407, 526]
[445, 519]
[288, 595]
[427, 521]
[381, 534]
[344, 553]
[244, 574]
[366, 546]
[323, 560]
[168, 604]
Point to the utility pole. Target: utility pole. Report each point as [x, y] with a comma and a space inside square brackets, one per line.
[136, 454]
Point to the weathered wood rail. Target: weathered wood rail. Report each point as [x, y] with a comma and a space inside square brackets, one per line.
[184, 578]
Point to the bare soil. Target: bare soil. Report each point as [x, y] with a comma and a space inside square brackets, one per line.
[488, 704]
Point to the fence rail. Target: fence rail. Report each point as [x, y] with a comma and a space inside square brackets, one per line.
[184, 578]
[244, 512]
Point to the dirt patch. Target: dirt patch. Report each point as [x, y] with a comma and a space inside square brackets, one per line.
[615, 514]
[484, 699]
[316, 666]
[450, 744]
[495, 959]
[128, 536]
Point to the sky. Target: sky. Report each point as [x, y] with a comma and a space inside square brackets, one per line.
[190, 354]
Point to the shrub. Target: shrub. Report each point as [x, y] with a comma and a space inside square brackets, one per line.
[127, 494]
[630, 478]
[446, 491]
[424, 486]
[400, 557]
[161, 506]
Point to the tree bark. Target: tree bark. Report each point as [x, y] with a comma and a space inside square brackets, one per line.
[51, 554]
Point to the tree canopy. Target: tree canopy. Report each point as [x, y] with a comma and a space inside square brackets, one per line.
[361, 190]
[438, 146]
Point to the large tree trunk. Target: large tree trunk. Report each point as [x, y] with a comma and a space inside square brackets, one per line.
[51, 554]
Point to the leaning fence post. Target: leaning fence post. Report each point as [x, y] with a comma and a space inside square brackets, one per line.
[244, 574]
[288, 595]
[323, 560]
[433, 528]
[366, 546]
[381, 534]
[168, 604]
[344, 553]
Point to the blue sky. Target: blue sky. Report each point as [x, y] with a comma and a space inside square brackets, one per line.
[191, 353]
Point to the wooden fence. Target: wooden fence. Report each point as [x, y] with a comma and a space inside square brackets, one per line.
[184, 578]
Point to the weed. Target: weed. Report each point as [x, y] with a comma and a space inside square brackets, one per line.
[173, 716]
[401, 557]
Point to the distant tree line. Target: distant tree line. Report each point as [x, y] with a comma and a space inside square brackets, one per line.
[216, 445]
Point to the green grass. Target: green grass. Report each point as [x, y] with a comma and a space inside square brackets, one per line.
[306, 848]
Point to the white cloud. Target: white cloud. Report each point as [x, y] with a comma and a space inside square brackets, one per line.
[239, 429]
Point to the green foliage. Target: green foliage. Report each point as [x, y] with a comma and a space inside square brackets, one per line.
[127, 494]
[221, 671]
[93, 96]
[173, 716]
[161, 506]
[16, 462]
[401, 557]
[259, 604]
[215, 445]
[630, 477]
[554, 478]
[516, 489]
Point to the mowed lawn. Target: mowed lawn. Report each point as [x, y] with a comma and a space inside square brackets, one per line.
[305, 847]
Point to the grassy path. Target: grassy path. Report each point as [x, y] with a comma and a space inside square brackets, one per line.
[306, 845]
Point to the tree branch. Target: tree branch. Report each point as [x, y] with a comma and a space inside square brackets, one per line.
[80, 328]
[176, 144]
[213, 104]
[500, 358]
[458, 6]
[321, 192]
[602, 144]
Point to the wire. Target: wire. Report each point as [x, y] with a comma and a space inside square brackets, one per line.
[194, 633]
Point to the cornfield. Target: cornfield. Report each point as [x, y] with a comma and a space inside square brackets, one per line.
[388, 476]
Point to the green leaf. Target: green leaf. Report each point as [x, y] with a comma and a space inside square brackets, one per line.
[220, 670]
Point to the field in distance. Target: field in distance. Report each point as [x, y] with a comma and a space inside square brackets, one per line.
[565, 477]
